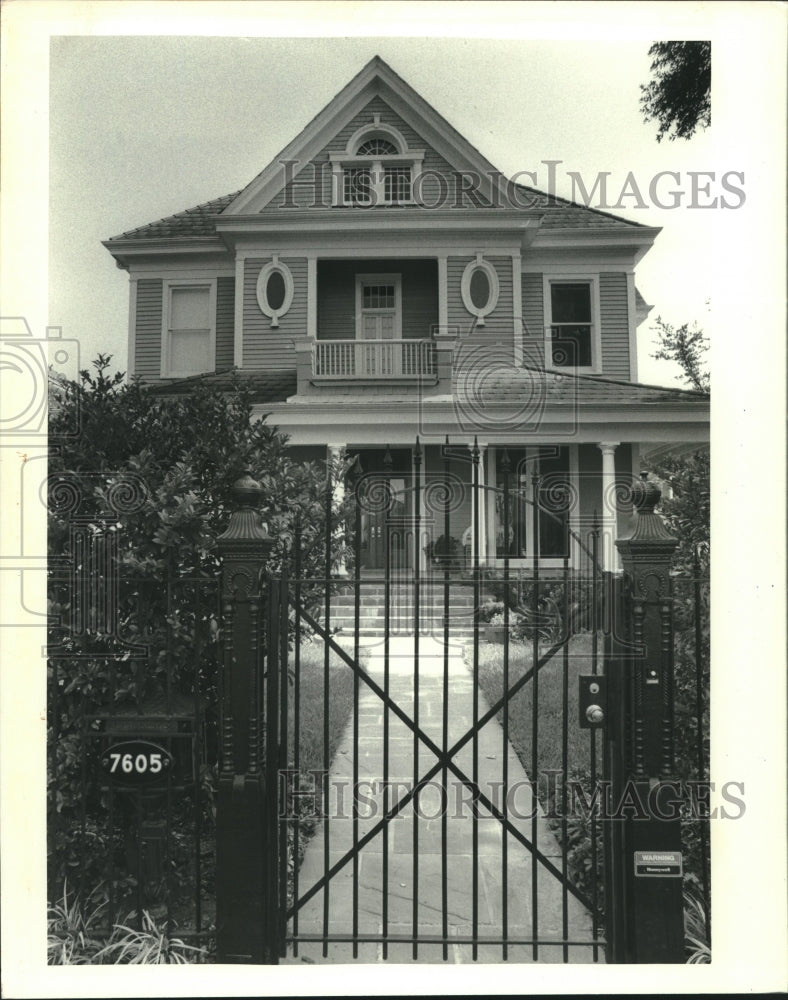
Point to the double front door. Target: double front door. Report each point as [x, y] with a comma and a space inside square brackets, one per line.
[385, 509]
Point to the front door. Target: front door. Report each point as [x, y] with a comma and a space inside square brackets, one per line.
[379, 325]
[386, 524]
[384, 498]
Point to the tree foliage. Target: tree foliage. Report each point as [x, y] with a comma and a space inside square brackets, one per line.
[678, 98]
[687, 346]
[136, 500]
[687, 513]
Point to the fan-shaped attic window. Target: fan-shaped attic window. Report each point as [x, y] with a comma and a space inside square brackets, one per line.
[376, 168]
[377, 147]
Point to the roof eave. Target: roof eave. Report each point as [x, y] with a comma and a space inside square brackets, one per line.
[125, 249]
[641, 237]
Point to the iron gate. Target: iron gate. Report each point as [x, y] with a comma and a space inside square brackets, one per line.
[553, 887]
[274, 697]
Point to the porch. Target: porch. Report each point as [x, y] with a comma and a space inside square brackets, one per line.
[448, 509]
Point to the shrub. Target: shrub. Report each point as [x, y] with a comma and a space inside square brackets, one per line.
[74, 937]
[153, 477]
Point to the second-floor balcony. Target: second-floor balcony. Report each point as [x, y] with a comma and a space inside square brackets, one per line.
[426, 364]
[374, 359]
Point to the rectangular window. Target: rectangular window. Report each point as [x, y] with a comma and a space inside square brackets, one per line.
[357, 186]
[396, 184]
[571, 324]
[379, 297]
[551, 508]
[190, 330]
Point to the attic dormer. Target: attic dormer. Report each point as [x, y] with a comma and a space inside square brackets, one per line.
[376, 168]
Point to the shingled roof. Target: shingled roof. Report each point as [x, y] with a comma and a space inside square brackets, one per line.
[197, 221]
[506, 387]
[201, 219]
[509, 386]
[273, 386]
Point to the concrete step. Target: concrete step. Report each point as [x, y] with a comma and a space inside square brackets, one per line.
[370, 631]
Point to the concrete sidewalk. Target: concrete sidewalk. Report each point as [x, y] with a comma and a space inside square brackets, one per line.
[396, 839]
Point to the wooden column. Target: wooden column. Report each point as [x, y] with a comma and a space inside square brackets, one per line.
[609, 513]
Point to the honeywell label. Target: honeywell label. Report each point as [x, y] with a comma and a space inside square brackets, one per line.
[658, 864]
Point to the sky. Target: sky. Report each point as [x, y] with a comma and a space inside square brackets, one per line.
[142, 127]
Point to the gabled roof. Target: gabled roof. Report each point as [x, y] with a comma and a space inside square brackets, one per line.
[376, 77]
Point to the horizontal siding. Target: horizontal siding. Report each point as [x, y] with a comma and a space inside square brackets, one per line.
[313, 185]
[614, 324]
[533, 319]
[336, 296]
[498, 325]
[147, 348]
[225, 323]
[264, 346]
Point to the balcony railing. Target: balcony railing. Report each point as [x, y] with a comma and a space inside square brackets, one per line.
[382, 359]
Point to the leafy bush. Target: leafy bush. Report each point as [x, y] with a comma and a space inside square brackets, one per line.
[74, 937]
[148, 480]
[444, 552]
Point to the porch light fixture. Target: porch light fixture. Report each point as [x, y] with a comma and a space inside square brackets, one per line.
[480, 288]
[275, 290]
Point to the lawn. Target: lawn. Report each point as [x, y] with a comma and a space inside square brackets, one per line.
[311, 737]
[561, 745]
[557, 681]
[311, 699]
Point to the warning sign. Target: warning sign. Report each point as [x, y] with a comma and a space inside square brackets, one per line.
[658, 864]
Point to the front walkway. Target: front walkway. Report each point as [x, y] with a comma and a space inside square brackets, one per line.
[458, 826]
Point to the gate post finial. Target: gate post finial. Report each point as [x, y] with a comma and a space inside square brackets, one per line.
[655, 931]
[241, 874]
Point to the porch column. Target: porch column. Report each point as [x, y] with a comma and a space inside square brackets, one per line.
[334, 461]
[480, 498]
[490, 525]
[443, 294]
[610, 560]
[311, 297]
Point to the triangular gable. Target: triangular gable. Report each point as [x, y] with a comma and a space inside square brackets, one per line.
[376, 81]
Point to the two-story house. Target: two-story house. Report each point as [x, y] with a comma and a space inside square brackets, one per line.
[380, 282]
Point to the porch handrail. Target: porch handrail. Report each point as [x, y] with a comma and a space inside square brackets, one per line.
[341, 359]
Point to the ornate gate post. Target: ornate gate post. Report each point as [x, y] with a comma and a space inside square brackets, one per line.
[651, 876]
[241, 890]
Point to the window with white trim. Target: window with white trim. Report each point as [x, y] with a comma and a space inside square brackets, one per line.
[571, 325]
[479, 288]
[378, 306]
[189, 329]
[377, 168]
[275, 289]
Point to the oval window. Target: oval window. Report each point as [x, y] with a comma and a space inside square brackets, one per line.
[480, 288]
[275, 291]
